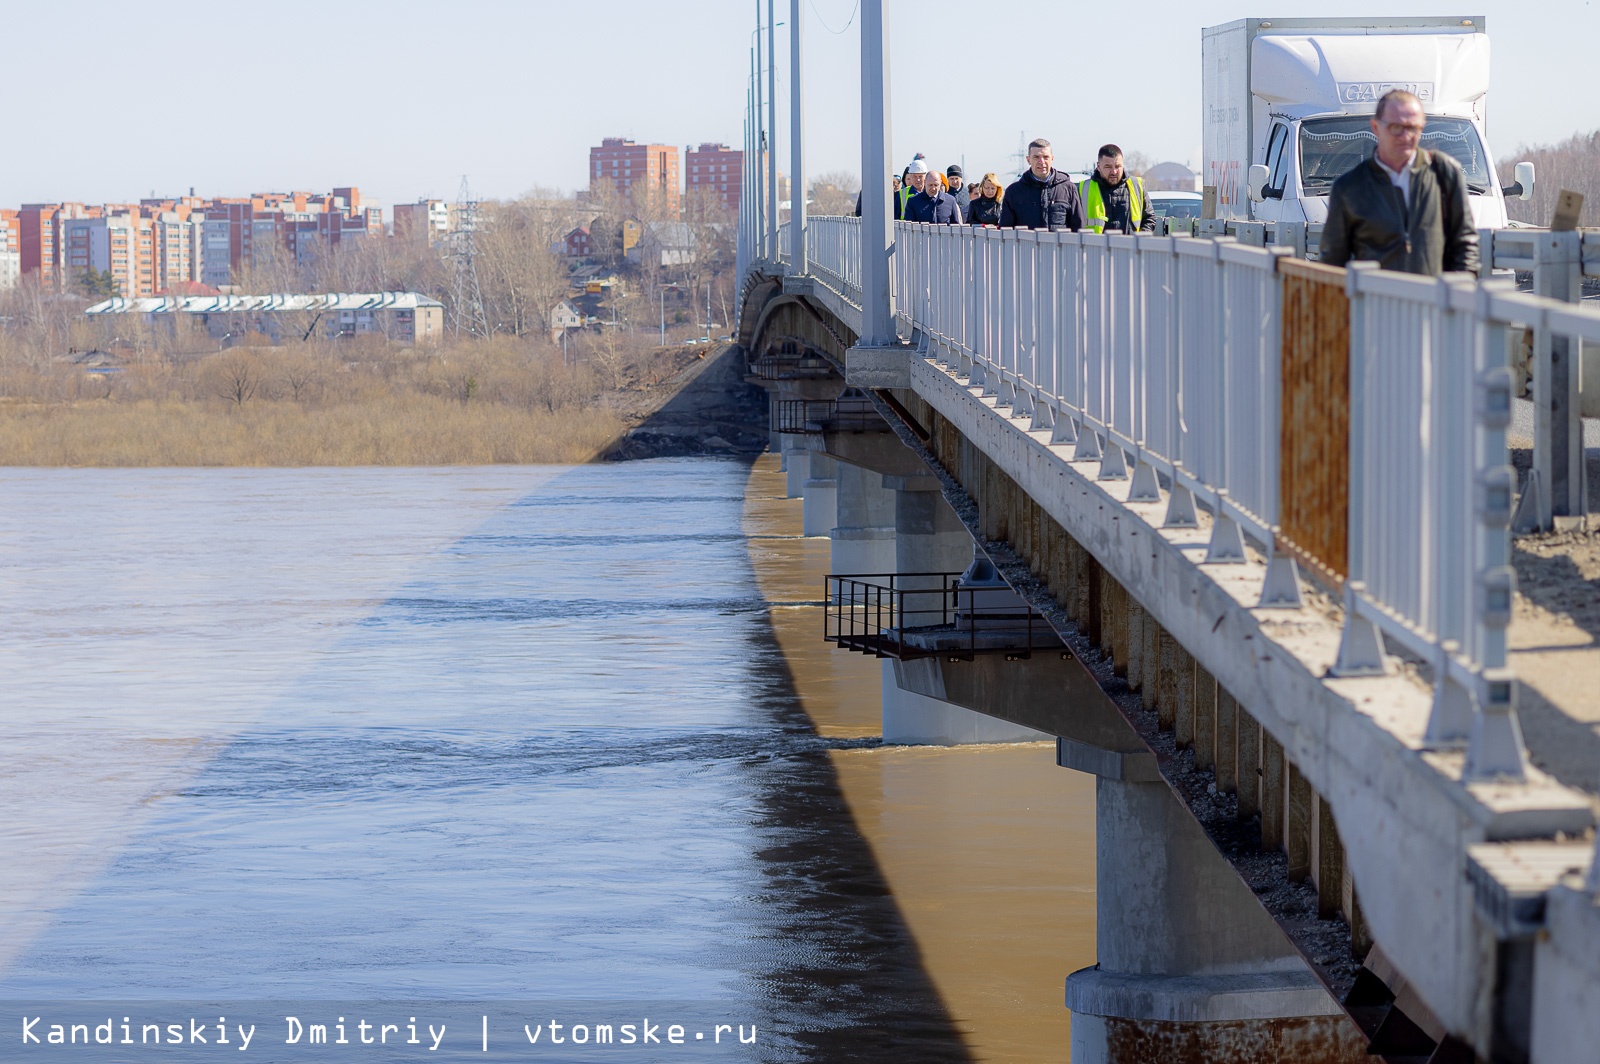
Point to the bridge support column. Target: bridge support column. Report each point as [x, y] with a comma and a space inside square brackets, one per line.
[863, 540]
[1191, 967]
[820, 511]
[796, 465]
[930, 538]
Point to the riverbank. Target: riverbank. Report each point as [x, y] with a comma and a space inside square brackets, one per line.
[477, 404]
[988, 851]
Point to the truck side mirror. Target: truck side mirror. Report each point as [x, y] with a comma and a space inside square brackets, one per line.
[1257, 182]
[1522, 187]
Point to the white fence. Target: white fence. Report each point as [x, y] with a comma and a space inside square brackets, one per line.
[1159, 358]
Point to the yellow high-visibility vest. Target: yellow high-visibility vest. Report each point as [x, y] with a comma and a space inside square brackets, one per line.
[1094, 207]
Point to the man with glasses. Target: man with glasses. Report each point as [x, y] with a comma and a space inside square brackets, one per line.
[1404, 208]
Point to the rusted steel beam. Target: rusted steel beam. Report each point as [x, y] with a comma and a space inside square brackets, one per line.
[1180, 682]
[1329, 862]
[1271, 793]
[1204, 698]
[1248, 746]
[1297, 824]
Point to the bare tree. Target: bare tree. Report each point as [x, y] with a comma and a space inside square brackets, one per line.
[834, 193]
[1572, 164]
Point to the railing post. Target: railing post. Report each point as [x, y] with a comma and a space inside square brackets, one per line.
[1558, 463]
[1361, 651]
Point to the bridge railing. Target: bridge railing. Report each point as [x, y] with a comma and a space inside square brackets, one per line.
[1352, 419]
[833, 246]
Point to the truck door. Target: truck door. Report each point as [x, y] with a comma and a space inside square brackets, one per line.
[1272, 207]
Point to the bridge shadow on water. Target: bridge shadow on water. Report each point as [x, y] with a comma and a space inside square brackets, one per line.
[498, 788]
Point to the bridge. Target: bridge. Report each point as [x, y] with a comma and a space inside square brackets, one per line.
[1238, 529]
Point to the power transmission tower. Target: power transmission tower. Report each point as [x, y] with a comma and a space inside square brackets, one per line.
[467, 306]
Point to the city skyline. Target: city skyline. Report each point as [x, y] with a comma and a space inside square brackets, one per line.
[412, 122]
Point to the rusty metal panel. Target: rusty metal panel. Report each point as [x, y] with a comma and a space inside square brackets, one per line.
[1314, 470]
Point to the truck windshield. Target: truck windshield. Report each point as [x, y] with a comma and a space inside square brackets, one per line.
[1331, 146]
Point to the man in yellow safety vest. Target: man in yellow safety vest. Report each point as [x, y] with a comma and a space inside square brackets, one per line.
[1112, 200]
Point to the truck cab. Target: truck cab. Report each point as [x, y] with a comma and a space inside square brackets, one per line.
[1288, 105]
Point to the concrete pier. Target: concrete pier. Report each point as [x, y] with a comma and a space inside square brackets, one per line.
[1191, 967]
[864, 538]
[820, 511]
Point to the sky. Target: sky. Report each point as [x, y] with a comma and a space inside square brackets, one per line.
[403, 98]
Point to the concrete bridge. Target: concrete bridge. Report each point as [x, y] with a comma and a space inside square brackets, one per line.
[1264, 509]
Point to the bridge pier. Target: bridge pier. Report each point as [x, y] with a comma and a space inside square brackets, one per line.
[820, 510]
[864, 538]
[930, 538]
[1190, 965]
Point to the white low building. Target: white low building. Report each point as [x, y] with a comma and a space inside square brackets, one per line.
[409, 317]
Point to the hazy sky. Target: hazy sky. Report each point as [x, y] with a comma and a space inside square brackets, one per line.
[113, 101]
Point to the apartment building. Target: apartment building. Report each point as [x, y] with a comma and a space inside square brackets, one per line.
[648, 169]
[715, 168]
[426, 219]
[10, 249]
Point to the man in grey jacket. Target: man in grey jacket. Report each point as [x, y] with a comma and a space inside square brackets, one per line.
[1405, 207]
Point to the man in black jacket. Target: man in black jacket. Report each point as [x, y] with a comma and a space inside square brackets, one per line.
[958, 189]
[1042, 198]
[1405, 207]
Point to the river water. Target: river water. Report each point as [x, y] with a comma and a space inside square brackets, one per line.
[481, 749]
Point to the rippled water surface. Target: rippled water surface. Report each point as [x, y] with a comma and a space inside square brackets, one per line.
[514, 735]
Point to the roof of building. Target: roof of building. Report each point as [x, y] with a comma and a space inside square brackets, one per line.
[221, 304]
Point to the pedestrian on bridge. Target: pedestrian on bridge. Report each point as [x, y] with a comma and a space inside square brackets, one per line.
[959, 191]
[933, 204]
[1044, 197]
[1113, 199]
[985, 206]
[1405, 207]
[910, 184]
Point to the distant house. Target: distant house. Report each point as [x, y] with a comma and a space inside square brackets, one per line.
[577, 242]
[1171, 177]
[565, 316]
[664, 244]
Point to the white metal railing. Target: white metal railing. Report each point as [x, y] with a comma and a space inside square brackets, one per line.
[1160, 357]
[833, 246]
[1151, 354]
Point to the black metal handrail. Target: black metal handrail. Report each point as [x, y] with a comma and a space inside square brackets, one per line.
[915, 615]
[848, 413]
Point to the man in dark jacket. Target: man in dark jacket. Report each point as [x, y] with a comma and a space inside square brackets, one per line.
[933, 204]
[1042, 198]
[1114, 201]
[958, 189]
[1404, 208]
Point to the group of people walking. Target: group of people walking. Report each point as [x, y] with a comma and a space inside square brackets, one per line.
[1404, 207]
[1042, 198]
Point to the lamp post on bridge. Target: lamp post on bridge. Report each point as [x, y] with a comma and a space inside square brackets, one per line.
[877, 360]
[797, 180]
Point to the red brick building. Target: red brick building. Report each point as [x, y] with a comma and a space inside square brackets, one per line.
[714, 167]
[651, 169]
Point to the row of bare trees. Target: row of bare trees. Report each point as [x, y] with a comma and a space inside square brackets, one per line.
[1572, 164]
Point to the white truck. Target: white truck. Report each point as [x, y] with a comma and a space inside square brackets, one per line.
[1287, 104]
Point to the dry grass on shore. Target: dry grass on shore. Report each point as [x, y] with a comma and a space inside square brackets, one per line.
[356, 403]
[393, 430]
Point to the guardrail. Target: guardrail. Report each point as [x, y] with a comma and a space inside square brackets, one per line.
[1353, 419]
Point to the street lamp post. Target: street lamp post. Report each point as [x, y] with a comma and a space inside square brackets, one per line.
[664, 312]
